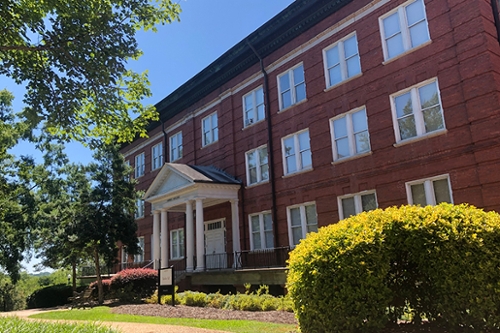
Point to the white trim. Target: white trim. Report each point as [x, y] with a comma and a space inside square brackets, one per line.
[179, 247]
[404, 29]
[428, 188]
[212, 131]
[358, 205]
[179, 147]
[255, 119]
[417, 111]
[292, 85]
[296, 145]
[350, 134]
[262, 230]
[342, 61]
[303, 219]
[258, 165]
[141, 171]
[140, 257]
[160, 156]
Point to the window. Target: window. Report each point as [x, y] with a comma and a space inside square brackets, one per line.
[210, 129]
[257, 166]
[404, 29]
[177, 244]
[430, 191]
[356, 203]
[292, 87]
[297, 152]
[253, 106]
[261, 230]
[139, 209]
[341, 61]
[124, 255]
[140, 257]
[350, 134]
[139, 165]
[176, 146]
[417, 111]
[302, 219]
[157, 157]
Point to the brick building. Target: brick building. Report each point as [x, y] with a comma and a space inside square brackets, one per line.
[328, 109]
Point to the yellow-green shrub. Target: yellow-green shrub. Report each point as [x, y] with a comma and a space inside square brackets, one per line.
[440, 262]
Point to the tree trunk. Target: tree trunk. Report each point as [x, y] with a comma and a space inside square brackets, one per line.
[98, 274]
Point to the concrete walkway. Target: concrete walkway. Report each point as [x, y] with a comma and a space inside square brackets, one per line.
[123, 327]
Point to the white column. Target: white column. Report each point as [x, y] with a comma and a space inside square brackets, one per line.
[200, 239]
[164, 243]
[189, 236]
[156, 238]
[235, 218]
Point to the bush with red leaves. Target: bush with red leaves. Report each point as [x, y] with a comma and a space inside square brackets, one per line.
[141, 282]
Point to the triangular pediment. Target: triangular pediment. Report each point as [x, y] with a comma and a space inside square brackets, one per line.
[167, 181]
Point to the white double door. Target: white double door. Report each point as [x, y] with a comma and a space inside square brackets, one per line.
[215, 245]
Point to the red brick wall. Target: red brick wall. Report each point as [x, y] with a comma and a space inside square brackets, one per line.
[463, 55]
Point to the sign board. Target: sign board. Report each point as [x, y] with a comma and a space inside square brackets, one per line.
[166, 277]
[166, 283]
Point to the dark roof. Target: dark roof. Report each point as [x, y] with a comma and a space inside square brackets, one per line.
[282, 28]
[215, 174]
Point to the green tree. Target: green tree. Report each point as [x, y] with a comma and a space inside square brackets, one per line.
[72, 54]
[105, 210]
[17, 202]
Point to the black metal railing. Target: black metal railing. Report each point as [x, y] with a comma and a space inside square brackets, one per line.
[265, 258]
[91, 271]
[219, 261]
[139, 264]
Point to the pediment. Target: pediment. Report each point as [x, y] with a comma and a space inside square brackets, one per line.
[167, 181]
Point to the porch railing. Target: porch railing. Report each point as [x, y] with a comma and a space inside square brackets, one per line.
[219, 261]
[264, 258]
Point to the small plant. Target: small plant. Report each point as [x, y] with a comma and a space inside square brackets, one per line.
[16, 325]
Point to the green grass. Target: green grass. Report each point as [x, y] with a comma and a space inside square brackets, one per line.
[103, 313]
[16, 325]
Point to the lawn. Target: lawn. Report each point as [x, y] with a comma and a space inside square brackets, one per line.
[16, 325]
[103, 313]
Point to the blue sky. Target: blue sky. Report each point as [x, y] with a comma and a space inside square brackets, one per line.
[179, 51]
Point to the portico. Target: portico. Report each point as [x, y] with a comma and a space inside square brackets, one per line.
[190, 190]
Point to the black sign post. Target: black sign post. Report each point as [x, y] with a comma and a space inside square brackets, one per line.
[166, 283]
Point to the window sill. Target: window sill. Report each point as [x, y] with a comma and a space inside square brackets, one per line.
[406, 52]
[252, 124]
[421, 137]
[350, 158]
[343, 82]
[293, 105]
[208, 145]
[297, 173]
[175, 159]
[257, 184]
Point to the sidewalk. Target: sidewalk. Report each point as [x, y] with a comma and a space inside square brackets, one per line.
[123, 327]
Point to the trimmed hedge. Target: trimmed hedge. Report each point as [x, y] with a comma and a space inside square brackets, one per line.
[50, 296]
[437, 262]
[129, 284]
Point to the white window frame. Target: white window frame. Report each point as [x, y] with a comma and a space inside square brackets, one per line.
[138, 258]
[124, 255]
[140, 165]
[298, 158]
[253, 94]
[262, 231]
[303, 220]
[213, 131]
[429, 188]
[180, 245]
[127, 177]
[259, 165]
[417, 111]
[139, 212]
[404, 30]
[157, 156]
[176, 147]
[342, 59]
[358, 205]
[292, 84]
[350, 134]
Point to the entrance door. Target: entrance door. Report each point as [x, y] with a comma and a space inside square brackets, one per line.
[215, 245]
